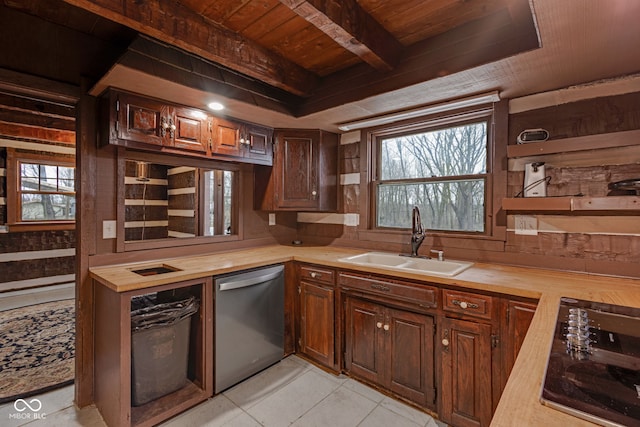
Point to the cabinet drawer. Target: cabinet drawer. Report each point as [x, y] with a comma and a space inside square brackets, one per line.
[319, 275]
[424, 295]
[467, 303]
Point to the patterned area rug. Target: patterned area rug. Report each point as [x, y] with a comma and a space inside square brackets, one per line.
[37, 350]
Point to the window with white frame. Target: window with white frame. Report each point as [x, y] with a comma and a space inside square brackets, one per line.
[442, 167]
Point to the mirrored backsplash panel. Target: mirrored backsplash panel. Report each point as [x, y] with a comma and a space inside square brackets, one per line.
[164, 201]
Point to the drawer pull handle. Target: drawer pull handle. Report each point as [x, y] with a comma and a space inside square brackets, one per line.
[315, 275]
[379, 325]
[463, 304]
[380, 287]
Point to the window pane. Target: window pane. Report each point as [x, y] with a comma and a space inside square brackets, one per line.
[29, 170]
[447, 205]
[45, 207]
[454, 151]
[66, 173]
[227, 197]
[66, 185]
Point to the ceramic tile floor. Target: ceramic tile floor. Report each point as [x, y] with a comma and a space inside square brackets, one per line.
[292, 392]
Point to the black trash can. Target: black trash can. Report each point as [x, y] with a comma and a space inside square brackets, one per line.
[159, 346]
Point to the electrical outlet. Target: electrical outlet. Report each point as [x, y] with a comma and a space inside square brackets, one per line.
[526, 224]
[108, 229]
[272, 219]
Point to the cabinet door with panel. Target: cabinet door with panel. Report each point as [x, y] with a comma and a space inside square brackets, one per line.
[304, 175]
[298, 183]
[258, 141]
[141, 120]
[193, 130]
[518, 317]
[466, 381]
[317, 331]
[392, 348]
[410, 355]
[226, 138]
[364, 339]
[317, 322]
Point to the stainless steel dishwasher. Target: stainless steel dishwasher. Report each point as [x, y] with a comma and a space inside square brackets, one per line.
[249, 324]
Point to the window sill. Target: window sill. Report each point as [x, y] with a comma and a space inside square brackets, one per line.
[41, 226]
[403, 236]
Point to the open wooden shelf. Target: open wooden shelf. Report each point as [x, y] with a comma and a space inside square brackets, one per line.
[580, 143]
[572, 203]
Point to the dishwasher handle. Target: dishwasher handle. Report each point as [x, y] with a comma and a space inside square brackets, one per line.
[244, 283]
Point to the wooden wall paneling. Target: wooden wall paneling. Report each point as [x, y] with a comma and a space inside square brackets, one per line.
[112, 357]
[3, 186]
[39, 87]
[87, 232]
[499, 166]
[589, 117]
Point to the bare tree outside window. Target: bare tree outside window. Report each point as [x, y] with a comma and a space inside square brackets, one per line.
[443, 172]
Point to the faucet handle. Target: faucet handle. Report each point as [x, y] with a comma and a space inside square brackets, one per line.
[440, 254]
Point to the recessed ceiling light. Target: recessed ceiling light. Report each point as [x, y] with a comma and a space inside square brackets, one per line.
[216, 106]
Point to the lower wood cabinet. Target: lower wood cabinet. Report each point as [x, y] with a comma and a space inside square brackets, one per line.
[466, 380]
[317, 323]
[517, 318]
[113, 356]
[392, 348]
[317, 338]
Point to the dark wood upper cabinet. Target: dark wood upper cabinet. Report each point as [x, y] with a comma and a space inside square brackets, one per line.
[143, 123]
[139, 119]
[304, 175]
[258, 140]
[226, 139]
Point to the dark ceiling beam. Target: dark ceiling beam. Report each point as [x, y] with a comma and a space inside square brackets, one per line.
[488, 39]
[173, 23]
[352, 28]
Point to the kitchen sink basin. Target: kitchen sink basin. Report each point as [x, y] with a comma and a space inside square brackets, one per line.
[415, 265]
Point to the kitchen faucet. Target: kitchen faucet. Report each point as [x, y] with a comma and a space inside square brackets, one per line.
[417, 232]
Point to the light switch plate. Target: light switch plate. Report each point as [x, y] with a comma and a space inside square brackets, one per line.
[272, 219]
[108, 229]
[526, 224]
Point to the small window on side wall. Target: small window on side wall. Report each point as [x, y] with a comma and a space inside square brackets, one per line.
[41, 190]
[46, 192]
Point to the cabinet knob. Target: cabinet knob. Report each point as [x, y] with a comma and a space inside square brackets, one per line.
[386, 327]
[379, 325]
[445, 342]
[463, 304]
[314, 275]
[314, 192]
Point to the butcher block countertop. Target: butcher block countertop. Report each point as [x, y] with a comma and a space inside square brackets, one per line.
[520, 404]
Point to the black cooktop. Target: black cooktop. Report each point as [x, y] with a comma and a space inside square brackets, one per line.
[593, 370]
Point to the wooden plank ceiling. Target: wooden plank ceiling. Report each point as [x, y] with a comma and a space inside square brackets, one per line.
[304, 52]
